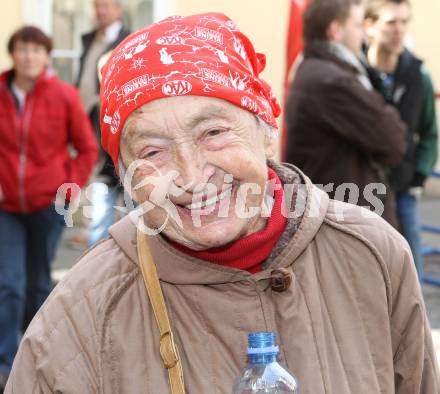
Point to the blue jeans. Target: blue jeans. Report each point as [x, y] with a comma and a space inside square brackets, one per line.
[410, 227]
[27, 246]
[103, 201]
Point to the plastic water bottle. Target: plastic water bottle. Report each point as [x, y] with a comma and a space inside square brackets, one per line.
[263, 374]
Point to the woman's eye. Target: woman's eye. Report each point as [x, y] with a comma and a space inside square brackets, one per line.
[215, 132]
[150, 154]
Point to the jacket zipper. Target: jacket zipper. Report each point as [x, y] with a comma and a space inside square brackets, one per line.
[24, 122]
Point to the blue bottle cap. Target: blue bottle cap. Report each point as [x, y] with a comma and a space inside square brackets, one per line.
[262, 343]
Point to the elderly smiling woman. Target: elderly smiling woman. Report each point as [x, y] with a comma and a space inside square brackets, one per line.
[239, 243]
[203, 141]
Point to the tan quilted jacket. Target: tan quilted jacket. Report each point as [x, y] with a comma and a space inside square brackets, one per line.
[352, 320]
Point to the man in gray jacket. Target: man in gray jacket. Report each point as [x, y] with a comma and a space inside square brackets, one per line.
[109, 32]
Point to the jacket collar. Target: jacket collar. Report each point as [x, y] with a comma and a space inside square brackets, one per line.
[407, 66]
[333, 52]
[342, 56]
[88, 38]
[178, 268]
[7, 76]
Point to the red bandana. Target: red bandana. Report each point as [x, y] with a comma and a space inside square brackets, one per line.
[248, 253]
[200, 55]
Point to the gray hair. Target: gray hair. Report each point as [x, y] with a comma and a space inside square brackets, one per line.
[269, 131]
[122, 169]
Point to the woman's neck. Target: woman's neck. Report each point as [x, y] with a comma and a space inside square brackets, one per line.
[382, 59]
[250, 251]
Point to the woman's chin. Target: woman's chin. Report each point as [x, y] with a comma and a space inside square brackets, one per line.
[212, 235]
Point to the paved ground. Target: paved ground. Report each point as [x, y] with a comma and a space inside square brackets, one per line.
[430, 212]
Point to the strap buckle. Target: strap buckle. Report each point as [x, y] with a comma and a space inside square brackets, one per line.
[168, 350]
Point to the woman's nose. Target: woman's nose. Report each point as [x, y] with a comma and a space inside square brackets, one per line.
[193, 169]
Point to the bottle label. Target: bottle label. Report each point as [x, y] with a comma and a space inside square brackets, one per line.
[263, 350]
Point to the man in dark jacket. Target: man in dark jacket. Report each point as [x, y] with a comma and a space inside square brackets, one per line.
[406, 84]
[109, 33]
[340, 132]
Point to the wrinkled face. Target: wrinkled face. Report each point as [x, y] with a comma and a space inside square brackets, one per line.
[29, 59]
[107, 12]
[390, 29]
[207, 151]
[352, 31]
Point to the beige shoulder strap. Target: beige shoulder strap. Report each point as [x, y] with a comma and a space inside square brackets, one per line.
[168, 349]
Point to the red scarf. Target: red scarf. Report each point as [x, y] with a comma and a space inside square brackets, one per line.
[248, 253]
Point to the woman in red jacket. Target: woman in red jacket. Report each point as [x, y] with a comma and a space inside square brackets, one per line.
[40, 117]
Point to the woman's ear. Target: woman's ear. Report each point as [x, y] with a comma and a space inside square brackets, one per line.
[270, 142]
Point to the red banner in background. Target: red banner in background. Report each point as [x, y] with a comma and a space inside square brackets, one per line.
[294, 48]
[294, 33]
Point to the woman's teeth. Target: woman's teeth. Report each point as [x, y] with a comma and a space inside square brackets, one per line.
[209, 202]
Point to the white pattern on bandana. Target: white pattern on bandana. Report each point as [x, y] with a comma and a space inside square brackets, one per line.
[165, 57]
[176, 88]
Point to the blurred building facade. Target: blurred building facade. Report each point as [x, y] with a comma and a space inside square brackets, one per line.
[65, 20]
[264, 22]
